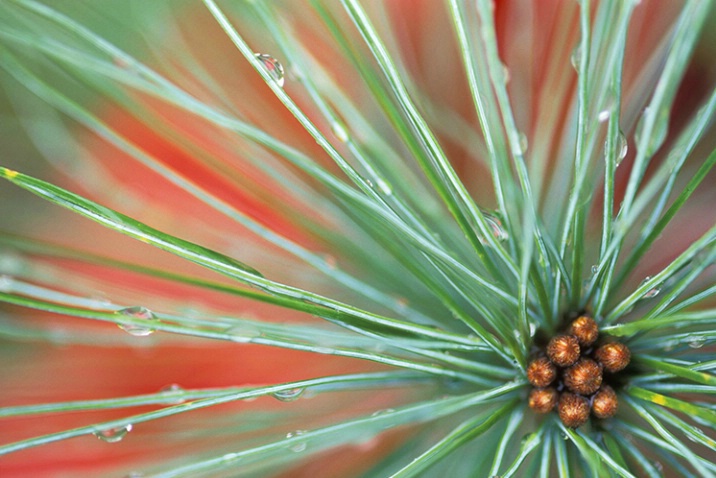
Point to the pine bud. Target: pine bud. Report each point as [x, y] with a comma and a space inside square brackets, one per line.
[563, 350]
[573, 410]
[605, 403]
[543, 400]
[541, 372]
[585, 329]
[614, 356]
[584, 377]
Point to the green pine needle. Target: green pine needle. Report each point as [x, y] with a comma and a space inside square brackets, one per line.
[421, 251]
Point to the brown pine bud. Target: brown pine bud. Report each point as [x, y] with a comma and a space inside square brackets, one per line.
[605, 403]
[563, 350]
[543, 400]
[614, 356]
[541, 372]
[573, 410]
[584, 377]
[585, 329]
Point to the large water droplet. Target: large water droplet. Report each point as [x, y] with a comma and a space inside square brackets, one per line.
[274, 68]
[113, 435]
[651, 293]
[140, 313]
[297, 446]
[288, 395]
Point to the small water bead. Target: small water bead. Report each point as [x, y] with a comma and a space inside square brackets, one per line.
[11, 262]
[230, 457]
[651, 293]
[170, 390]
[496, 228]
[384, 187]
[141, 313]
[340, 132]
[273, 66]
[384, 411]
[505, 74]
[6, 283]
[622, 147]
[330, 261]
[696, 341]
[576, 56]
[523, 143]
[696, 430]
[288, 395]
[243, 333]
[113, 435]
[298, 446]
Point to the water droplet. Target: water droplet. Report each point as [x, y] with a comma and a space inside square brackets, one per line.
[576, 57]
[402, 303]
[113, 435]
[243, 333]
[297, 446]
[622, 148]
[696, 341]
[609, 107]
[288, 395]
[170, 390]
[6, 283]
[651, 293]
[496, 228]
[384, 187]
[330, 261]
[505, 74]
[595, 268]
[384, 411]
[339, 131]
[11, 263]
[230, 457]
[693, 438]
[523, 144]
[274, 68]
[140, 313]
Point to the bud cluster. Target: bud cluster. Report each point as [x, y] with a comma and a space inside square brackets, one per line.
[570, 376]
